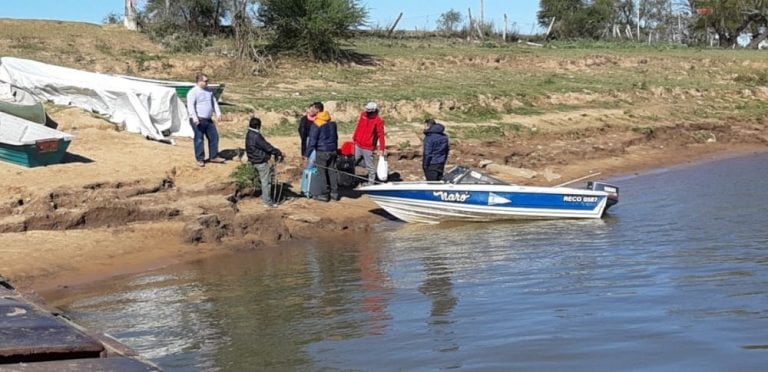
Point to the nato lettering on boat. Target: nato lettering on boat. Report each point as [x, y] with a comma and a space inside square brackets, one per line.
[459, 197]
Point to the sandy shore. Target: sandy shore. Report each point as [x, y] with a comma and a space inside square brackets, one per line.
[124, 204]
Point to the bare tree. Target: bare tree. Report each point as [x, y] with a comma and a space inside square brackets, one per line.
[130, 15]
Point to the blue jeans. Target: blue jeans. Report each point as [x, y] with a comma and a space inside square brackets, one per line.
[208, 129]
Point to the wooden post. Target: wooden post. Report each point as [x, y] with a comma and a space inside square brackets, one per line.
[504, 35]
[479, 31]
[392, 29]
[471, 24]
[638, 19]
[482, 13]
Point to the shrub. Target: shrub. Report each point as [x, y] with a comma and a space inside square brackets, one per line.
[245, 176]
[315, 28]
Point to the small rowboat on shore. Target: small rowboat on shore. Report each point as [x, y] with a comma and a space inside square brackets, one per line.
[469, 195]
[30, 144]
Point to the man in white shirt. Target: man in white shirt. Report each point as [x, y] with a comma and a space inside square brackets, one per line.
[202, 104]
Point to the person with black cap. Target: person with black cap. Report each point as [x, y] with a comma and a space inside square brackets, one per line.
[259, 151]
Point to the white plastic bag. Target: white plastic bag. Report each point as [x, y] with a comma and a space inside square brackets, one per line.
[382, 168]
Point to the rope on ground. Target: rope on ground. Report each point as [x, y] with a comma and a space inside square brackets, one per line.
[347, 173]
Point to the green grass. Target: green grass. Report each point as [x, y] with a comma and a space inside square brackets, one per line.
[481, 132]
[141, 57]
[474, 113]
[29, 45]
[756, 78]
[454, 73]
[284, 128]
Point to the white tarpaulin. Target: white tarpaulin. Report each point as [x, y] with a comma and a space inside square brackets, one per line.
[144, 108]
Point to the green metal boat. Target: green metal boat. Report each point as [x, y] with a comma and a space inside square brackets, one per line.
[182, 88]
[29, 144]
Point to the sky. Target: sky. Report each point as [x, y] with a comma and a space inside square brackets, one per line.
[417, 14]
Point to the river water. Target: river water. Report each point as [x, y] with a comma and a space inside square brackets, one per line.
[675, 278]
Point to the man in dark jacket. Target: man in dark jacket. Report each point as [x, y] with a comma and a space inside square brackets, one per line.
[324, 139]
[259, 151]
[436, 150]
[305, 123]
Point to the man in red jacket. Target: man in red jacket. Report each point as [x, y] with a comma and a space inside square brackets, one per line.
[368, 133]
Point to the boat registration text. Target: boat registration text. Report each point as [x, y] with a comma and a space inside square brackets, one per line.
[580, 199]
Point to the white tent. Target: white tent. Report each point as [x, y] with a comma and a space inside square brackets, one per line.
[144, 108]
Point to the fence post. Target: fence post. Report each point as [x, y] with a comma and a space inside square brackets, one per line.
[392, 29]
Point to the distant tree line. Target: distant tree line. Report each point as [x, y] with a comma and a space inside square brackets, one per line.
[320, 29]
[685, 21]
[314, 28]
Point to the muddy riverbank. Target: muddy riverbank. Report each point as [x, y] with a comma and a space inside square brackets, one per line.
[109, 211]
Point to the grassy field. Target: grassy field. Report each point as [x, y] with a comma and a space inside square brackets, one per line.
[499, 87]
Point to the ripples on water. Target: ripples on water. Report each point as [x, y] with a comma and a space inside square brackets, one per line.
[675, 278]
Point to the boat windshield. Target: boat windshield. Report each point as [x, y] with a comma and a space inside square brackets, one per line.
[465, 176]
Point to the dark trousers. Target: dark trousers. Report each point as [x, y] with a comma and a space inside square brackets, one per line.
[329, 176]
[434, 172]
[206, 129]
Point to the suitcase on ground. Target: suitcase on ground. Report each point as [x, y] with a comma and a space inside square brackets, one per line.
[311, 184]
[346, 167]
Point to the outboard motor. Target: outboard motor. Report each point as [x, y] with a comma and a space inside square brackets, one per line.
[613, 192]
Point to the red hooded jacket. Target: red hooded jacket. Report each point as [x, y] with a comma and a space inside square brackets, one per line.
[368, 132]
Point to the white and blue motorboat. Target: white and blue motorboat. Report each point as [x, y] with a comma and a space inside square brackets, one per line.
[470, 195]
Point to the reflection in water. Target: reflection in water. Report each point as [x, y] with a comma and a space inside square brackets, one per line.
[375, 289]
[675, 279]
[438, 287]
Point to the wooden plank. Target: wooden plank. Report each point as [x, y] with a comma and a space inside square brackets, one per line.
[6, 289]
[28, 334]
[77, 365]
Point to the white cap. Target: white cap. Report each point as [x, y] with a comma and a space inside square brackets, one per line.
[371, 106]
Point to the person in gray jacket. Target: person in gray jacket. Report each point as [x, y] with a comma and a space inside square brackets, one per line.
[259, 151]
[201, 106]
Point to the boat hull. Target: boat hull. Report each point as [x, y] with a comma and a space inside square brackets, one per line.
[29, 144]
[34, 155]
[439, 202]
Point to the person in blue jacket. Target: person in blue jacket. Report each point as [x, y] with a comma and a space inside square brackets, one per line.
[436, 150]
[324, 140]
